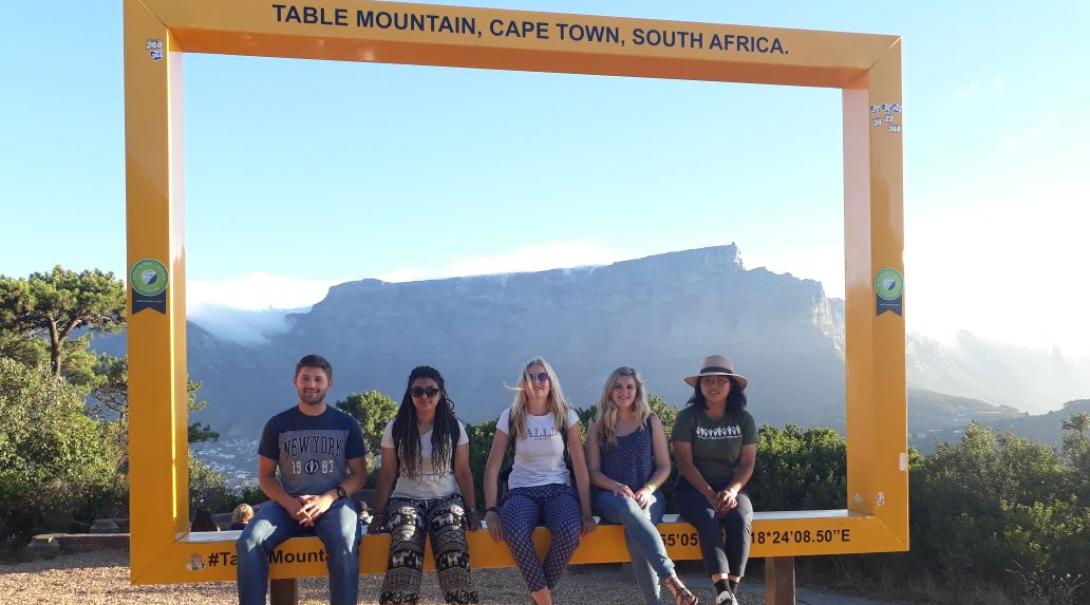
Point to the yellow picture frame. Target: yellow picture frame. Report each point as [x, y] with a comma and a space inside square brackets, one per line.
[867, 68]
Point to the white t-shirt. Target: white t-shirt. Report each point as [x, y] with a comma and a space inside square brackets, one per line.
[431, 483]
[539, 457]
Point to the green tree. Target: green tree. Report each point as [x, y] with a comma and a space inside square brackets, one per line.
[480, 444]
[372, 410]
[800, 469]
[666, 413]
[586, 417]
[990, 501]
[54, 460]
[207, 487]
[109, 403]
[109, 399]
[1076, 451]
[23, 347]
[1080, 423]
[197, 432]
[53, 306]
[33, 351]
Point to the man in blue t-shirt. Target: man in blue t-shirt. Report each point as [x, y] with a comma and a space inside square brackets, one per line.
[319, 453]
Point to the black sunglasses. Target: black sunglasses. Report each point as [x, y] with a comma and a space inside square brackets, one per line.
[540, 376]
[421, 392]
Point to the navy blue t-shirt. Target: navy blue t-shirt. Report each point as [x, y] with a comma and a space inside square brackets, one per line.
[312, 452]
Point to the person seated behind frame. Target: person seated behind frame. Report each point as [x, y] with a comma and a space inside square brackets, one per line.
[240, 517]
[203, 521]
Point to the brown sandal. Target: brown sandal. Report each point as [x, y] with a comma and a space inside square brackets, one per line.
[682, 595]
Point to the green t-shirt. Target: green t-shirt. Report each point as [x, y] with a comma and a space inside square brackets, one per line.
[717, 444]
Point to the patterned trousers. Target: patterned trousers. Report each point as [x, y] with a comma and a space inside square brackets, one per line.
[410, 521]
[523, 508]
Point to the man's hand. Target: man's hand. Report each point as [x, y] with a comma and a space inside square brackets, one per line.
[294, 506]
[312, 508]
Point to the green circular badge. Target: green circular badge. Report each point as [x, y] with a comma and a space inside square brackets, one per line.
[888, 284]
[148, 277]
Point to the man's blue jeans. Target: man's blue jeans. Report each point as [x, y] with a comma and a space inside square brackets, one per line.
[650, 562]
[339, 530]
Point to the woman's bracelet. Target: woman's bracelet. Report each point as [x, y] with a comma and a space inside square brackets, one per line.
[651, 486]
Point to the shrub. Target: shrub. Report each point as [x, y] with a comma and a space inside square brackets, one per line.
[55, 462]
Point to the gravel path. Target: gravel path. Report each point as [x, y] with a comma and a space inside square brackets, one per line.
[103, 578]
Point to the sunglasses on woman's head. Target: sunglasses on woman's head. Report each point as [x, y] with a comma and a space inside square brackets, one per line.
[421, 392]
[539, 377]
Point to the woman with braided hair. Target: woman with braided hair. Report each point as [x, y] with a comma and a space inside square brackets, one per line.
[425, 487]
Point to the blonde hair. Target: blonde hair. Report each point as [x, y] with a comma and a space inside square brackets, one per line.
[242, 513]
[555, 401]
[607, 409]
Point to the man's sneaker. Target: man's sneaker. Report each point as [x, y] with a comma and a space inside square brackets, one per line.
[726, 598]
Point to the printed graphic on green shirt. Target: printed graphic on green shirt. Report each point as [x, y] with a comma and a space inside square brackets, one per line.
[716, 442]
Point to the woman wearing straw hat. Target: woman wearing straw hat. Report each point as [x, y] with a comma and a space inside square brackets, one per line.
[715, 443]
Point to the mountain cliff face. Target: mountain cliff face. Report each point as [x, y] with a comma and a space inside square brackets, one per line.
[660, 314]
[1029, 379]
[1046, 428]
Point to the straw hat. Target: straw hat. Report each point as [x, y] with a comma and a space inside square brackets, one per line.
[717, 365]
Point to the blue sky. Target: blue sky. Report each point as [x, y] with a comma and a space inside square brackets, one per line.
[300, 174]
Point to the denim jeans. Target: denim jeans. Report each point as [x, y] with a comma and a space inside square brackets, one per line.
[650, 562]
[339, 531]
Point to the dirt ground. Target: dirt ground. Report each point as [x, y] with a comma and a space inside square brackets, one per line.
[103, 578]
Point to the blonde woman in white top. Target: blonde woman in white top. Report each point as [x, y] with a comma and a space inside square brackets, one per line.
[543, 428]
